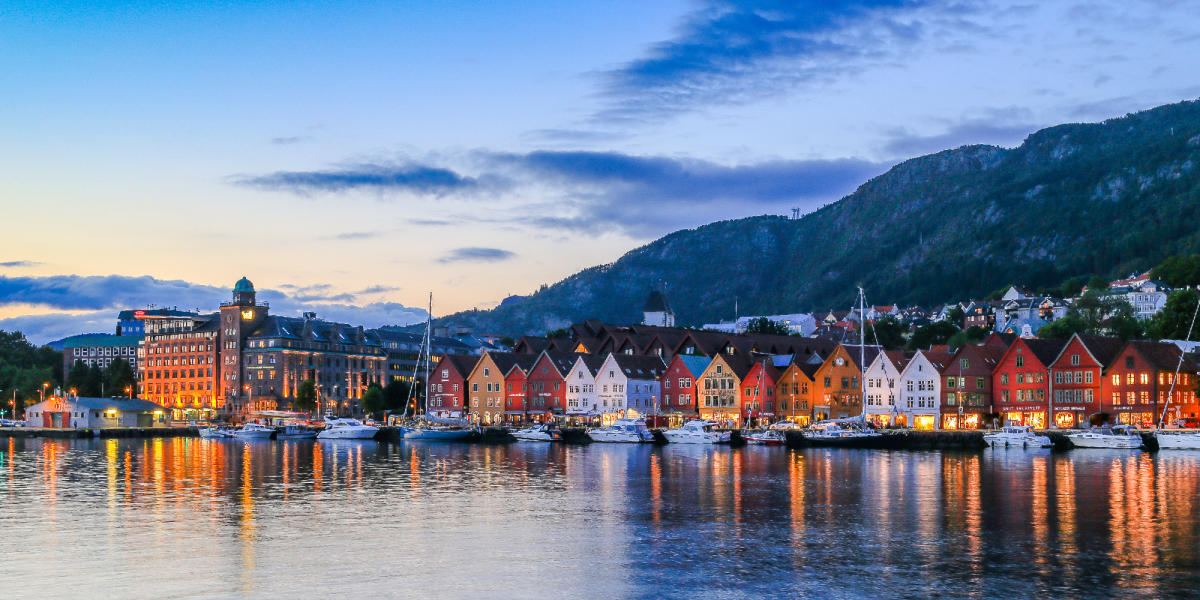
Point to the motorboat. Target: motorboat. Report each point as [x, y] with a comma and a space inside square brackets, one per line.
[538, 432]
[840, 429]
[623, 430]
[1118, 436]
[254, 431]
[697, 432]
[346, 429]
[766, 437]
[296, 432]
[443, 433]
[1177, 440]
[216, 433]
[1017, 435]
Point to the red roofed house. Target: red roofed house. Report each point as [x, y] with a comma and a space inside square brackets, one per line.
[758, 393]
[447, 395]
[1019, 384]
[1077, 378]
[1138, 382]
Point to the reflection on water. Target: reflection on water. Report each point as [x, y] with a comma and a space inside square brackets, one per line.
[219, 518]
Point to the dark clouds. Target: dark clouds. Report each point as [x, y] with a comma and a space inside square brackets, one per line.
[97, 299]
[414, 178]
[476, 254]
[17, 264]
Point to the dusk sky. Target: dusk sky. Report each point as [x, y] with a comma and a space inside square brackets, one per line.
[350, 157]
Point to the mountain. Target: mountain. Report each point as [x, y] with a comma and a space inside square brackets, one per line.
[1104, 198]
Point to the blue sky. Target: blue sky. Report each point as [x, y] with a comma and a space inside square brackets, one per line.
[353, 156]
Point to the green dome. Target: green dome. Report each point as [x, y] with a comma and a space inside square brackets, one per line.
[243, 285]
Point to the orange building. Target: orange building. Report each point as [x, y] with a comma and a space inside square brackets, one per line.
[837, 391]
[794, 391]
[719, 389]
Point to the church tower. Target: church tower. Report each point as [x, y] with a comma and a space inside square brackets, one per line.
[657, 312]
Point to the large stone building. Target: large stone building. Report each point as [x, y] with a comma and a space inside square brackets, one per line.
[243, 360]
[99, 351]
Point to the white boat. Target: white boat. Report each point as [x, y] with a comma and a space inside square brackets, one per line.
[539, 432]
[216, 433]
[435, 433]
[346, 429]
[697, 432]
[1119, 436]
[1017, 435]
[254, 431]
[296, 432]
[839, 429]
[1178, 440]
[623, 430]
[767, 437]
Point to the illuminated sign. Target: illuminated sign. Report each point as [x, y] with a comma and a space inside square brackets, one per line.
[247, 314]
[139, 313]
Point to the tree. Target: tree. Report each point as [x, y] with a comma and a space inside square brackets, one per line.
[1175, 319]
[118, 377]
[77, 378]
[889, 333]
[1062, 328]
[373, 400]
[306, 396]
[932, 334]
[765, 325]
[1097, 284]
[93, 383]
[1071, 287]
[956, 316]
[396, 395]
[1178, 271]
[973, 335]
[558, 333]
[1096, 313]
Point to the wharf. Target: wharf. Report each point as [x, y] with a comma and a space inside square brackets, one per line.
[898, 440]
[113, 432]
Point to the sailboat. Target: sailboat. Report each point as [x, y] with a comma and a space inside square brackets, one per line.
[851, 431]
[426, 427]
[1177, 439]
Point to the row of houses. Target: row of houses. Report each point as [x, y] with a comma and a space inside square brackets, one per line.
[1006, 378]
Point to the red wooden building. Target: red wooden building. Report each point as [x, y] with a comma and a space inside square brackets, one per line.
[447, 395]
[967, 386]
[758, 393]
[547, 388]
[679, 387]
[1019, 383]
[1077, 378]
[1138, 382]
[516, 408]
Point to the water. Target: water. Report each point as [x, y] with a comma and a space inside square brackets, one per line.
[221, 518]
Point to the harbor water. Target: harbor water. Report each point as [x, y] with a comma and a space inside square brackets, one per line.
[186, 517]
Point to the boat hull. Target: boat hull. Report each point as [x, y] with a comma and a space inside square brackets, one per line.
[617, 438]
[675, 437]
[1178, 441]
[537, 436]
[445, 435]
[1037, 441]
[297, 436]
[1119, 442]
[253, 435]
[348, 434]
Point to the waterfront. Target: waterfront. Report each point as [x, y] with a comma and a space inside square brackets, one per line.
[189, 517]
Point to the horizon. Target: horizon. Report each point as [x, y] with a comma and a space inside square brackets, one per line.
[350, 158]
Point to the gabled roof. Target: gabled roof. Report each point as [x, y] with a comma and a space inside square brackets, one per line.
[1043, 349]
[463, 363]
[1163, 356]
[938, 358]
[657, 302]
[694, 364]
[898, 358]
[640, 367]
[1103, 349]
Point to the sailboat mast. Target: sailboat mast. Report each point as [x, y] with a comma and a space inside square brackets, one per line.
[428, 349]
[862, 352]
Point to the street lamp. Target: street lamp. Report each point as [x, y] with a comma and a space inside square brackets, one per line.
[42, 391]
[127, 392]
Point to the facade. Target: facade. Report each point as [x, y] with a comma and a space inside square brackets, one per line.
[100, 351]
[178, 367]
[1138, 385]
[628, 386]
[447, 394]
[838, 394]
[794, 390]
[720, 389]
[516, 385]
[403, 350]
[583, 402]
[967, 386]
[1077, 378]
[1020, 387]
[95, 413]
[657, 312]
[679, 387]
[133, 322]
[881, 384]
[920, 389]
[547, 392]
[486, 382]
[758, 393]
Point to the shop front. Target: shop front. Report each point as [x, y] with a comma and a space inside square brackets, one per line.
[924, 422]
[725, 418]
[1070, 418]
[962, 421]
[879, 419]
[1027, 416]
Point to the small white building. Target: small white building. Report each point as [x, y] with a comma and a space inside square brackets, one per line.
[920, 389]
[94, 413]
[881, 384]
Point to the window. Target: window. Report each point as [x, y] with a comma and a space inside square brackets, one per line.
[979, 383]
[1087, 376]
[1074, 359]
[964, 363]
[1004, 379]
[1116, 379]
[1020, 361]
[1145, 378]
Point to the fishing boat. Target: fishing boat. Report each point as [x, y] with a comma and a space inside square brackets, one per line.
[623, 430]
[766, 437]
[1118, 436]
[1177, 440]
[296, 432]
[254, 431]
[216, 433]
[346, 429]
[697, 432]
[1017, 436]
[539, 432]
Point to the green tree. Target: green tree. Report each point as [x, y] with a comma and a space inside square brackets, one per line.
[94, 383]
[395, 395]
[1071, 287]
[306, 396]
[1178, 271]
[77, 378]
[765, 325]
[1062, 328]
[933, 334]
[374, 401]
[1175, 319]
[1097, 284]
[956, 316]
[889, 333]
[118, 377]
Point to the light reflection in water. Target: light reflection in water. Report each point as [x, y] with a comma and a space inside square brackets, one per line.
[221, 517]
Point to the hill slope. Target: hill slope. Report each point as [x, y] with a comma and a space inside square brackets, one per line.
[1106, 198]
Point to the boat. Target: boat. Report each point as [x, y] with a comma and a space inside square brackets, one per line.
[839, 429]
[1177, 440]
[1017, 435]
[697, 432]
[296, 432]
[216, 433]
[539, 432]
[346, 429]
[623, 430]
[766, 437]
[436, 433]
[1118, 436]
[254, 431]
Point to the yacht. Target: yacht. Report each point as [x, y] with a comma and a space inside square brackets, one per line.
[346, 429]
[1119, 436]
[216, 433]
[766, 437]
[445, 433]
[1178, 440]
[697, 432]
[623, 430]
[1017, 435]
[841, 429]
[538, 432]
[296, 432]
[254, 431]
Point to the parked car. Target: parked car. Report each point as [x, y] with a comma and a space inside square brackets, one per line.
[1187, 422]
[11, 423]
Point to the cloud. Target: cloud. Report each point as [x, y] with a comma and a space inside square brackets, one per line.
[358, 235]
[430, 222]
[475, 254]
[904, 142]
[409, 177]
[16, 264]
[289, 140]
[377, 289]
[90, 304]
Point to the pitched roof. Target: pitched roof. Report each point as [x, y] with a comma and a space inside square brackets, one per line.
[640, 367]
[1103, 349]
[938, 358]
[464, 363]
[1045, 350]
[1163, 356]
[694, 364]
[657, 302]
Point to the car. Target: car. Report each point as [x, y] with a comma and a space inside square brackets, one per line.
[11, 423]
[1187, 422]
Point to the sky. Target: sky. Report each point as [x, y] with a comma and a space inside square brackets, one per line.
[353, 157]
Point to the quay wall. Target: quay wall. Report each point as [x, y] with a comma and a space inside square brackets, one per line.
[115, 432]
